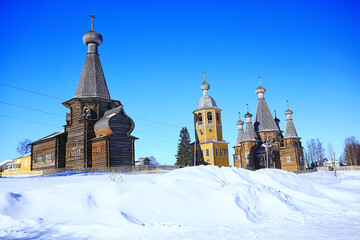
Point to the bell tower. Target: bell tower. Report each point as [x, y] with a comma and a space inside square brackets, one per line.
[209, 144]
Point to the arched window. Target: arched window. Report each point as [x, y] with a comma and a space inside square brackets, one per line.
[209, 117]
[217, 118]
[200, 118]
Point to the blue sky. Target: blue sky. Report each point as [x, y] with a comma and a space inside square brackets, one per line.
[153, 55]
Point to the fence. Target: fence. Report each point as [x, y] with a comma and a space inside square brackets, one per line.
[341, 168]
[127, 169]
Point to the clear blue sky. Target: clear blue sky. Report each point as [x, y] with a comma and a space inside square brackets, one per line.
[153, 56]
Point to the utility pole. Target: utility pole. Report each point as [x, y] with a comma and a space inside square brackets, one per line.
[335, 166]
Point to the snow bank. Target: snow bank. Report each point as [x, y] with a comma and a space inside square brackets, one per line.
[189, 203]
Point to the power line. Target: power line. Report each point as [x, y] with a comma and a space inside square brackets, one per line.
[50, 96]
[155, 134]
[170, 125]
[43, 124]
[32, 109]
[31, 91]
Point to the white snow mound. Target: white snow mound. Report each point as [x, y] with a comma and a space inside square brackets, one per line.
[201, 202]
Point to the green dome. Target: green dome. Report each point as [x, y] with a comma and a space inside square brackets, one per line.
[205, 86]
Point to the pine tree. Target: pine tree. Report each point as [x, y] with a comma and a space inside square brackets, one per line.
[183, 156]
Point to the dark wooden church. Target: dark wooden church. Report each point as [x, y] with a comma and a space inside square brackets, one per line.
[97, 130]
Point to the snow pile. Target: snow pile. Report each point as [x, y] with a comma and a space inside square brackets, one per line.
[190, 203]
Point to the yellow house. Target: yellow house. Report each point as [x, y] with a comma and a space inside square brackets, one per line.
[209, 144]
[20, 165]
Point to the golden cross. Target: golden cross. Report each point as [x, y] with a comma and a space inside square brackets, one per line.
[204, 74]
[287, 103]
[239, 116]
[259, 80]
[92, 21]
[247, 107]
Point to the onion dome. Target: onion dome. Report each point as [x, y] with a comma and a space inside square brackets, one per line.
[92, 37]
[205, 86]
[288, 112]
[248, 115]
[260, 89]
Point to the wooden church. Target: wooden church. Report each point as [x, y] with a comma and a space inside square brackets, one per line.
[263, 145]
[97, 130]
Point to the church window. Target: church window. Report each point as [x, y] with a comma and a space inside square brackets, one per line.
[200, 118]
[98, 149]
[300, 159]
[288, 159]
[209, 117]
[120, 149]
[217, 118]
[210, 130]
[52, 156]
[44, 158]
[78, 152]
[216, 151]
[35, 159]
[220, 152]
[69, 153]
[207, 152]
[202, 153]
[225, 152]
[219, 129]
[75, 143]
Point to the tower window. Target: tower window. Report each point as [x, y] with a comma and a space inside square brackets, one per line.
[217, 117]
[69, 153]
[52, 156]
[225, 152]
[78, 152]
[35, 159]
[98, 149]
[207, 152]
[44, 158]
[216, 151]
[220, 152]
[209, 117]
[288, 159]
[200, 118]
[120, 149]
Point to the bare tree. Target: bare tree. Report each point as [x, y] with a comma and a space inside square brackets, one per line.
[352, 151]
[315, 152]
[330, 151]
[24, 147]
[153, 161]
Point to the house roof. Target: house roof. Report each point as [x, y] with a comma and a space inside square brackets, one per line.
[55, 134]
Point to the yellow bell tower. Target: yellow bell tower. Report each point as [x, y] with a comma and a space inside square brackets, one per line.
[209, 144]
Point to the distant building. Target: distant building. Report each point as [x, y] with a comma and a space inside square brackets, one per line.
[20, 165]
[210, 148]
[143, 161]
[262, 144]
[97, 130]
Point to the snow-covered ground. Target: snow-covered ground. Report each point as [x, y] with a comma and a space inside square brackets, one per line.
[189, 203]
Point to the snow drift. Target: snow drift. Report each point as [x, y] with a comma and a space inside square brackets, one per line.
[190, 203]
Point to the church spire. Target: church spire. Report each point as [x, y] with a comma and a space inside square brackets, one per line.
[290, 131]
[249, 134]
[263, 118]
[240, 136]
[92, 81]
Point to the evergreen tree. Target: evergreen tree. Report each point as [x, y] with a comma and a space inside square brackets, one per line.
[183, 156]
